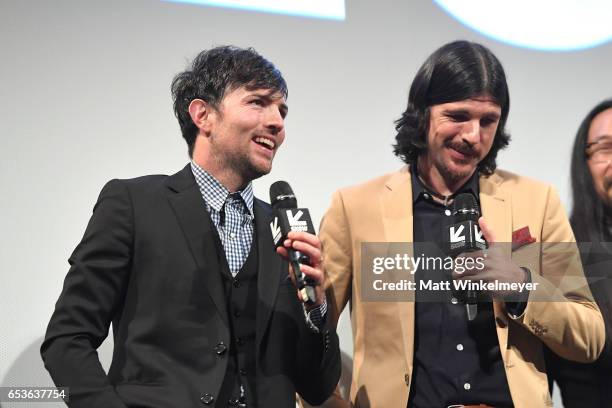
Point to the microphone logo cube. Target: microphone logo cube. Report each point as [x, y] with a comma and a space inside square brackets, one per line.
[295, 221]
[465, 236]
[290, 219]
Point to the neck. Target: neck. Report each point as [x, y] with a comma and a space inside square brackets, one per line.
[228, 178]
[436, 181]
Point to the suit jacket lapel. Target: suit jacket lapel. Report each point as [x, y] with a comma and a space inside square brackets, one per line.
[268, 268]
[396, 205]
[199, 231]
[496, 208]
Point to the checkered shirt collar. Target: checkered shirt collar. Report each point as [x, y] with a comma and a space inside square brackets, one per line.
[214, 193]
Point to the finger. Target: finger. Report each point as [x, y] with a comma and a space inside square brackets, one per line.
[312, 252]
[463, 274]
[282, 252]
[315, 274]
[291, 274]
[305, 237]
[487, 232]
[473, 254]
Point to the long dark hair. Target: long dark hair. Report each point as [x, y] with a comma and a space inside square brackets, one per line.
[588, 210]
[456, 71]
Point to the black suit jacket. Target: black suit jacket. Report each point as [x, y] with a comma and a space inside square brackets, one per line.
[148, 263]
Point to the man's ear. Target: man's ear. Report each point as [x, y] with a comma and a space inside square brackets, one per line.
[201, 113]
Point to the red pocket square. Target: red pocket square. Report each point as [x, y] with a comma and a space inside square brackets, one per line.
[521, 237]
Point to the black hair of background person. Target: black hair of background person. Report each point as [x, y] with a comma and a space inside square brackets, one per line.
[588, 211]
[588, 385]
[457, 71]
[215, 72]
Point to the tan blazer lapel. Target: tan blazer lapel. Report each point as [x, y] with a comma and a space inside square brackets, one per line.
[397, 207]
[496, 208]
[397, 218]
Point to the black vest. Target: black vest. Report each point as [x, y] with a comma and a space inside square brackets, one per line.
[241, 298]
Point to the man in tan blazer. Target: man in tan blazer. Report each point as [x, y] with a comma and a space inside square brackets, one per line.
[430, 354]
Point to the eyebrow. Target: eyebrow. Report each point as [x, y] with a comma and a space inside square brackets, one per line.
[598, 139]
[267, 96]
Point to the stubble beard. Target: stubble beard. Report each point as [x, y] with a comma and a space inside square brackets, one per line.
[246, 168]
[447, 174]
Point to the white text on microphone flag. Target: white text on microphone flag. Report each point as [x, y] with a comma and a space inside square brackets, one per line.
[478, 235]
[276, 230]
[455, 235]
[295, 222]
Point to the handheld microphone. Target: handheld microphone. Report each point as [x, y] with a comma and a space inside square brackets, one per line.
[465, 236]
[287, 217]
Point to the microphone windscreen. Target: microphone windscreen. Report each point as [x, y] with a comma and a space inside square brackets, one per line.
[465, 207]
[281, 195]
[465, 201]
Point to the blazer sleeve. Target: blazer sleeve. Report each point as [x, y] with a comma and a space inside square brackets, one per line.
[318, 364]
[330, 366]
[564, 315]
[338, 256]
[91, 298]
[337, 253]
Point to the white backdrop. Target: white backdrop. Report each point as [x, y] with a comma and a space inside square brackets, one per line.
[85, 98]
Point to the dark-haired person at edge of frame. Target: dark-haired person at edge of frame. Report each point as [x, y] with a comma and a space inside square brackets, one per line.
[424, 354]
[590, 385]
[184, 267]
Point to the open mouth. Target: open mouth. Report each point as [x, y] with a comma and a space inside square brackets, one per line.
[265, 142]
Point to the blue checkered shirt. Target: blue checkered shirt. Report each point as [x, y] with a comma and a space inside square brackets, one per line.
[232, 215]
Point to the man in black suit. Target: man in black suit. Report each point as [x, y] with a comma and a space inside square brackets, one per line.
[184, 268]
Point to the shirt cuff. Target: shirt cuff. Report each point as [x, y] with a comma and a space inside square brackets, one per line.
[315, 318]
[516, 308]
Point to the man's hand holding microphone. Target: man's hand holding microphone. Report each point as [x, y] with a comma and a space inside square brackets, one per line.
[295, 240]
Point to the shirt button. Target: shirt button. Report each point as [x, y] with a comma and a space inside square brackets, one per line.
[460, 347]
[467, 386]
[243, 371]
[447, 212]
[454, 300]
[207, 399]
[237, 313]
[426, 196]
[220, 348]
[232, 235]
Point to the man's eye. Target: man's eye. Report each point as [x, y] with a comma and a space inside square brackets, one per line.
[458, 117]
[487, 122]
[257, 102]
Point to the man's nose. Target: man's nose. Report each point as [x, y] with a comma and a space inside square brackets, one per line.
[471, 132]
[274, 120]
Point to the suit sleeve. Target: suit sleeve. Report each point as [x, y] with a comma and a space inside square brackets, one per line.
[318, 364]
[564, 315]
[91, 298]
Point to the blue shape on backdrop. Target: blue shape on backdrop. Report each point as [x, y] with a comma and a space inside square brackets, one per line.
[327, 9]
[547, 25]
